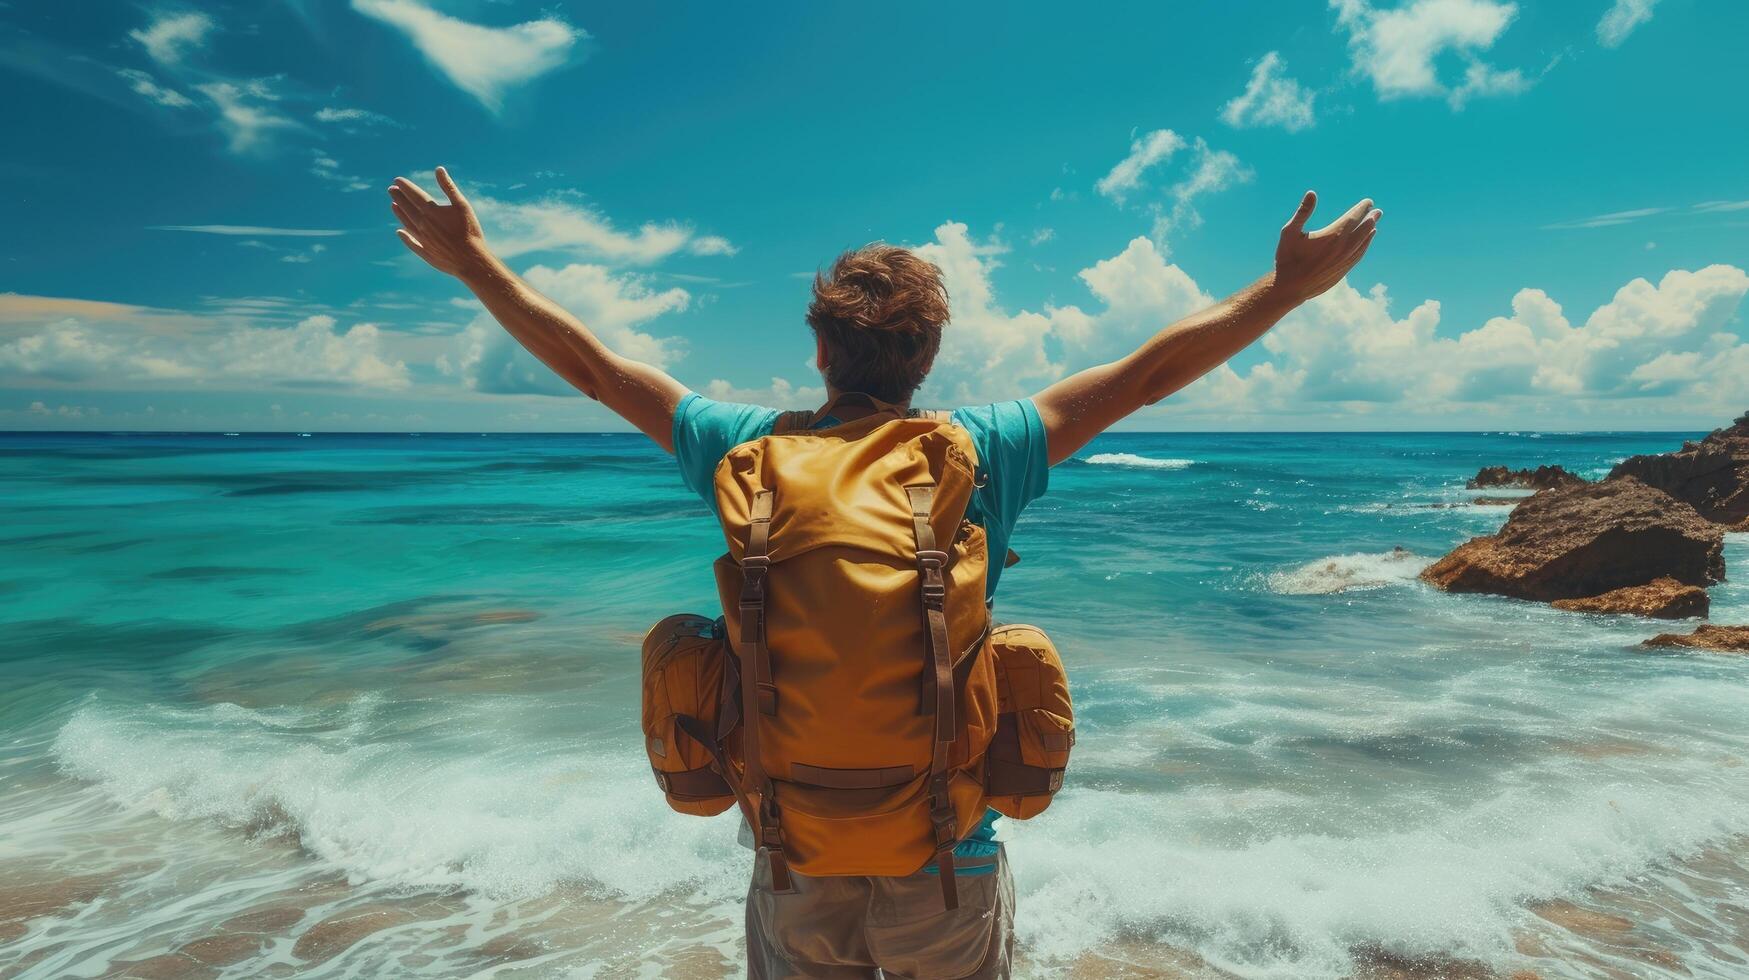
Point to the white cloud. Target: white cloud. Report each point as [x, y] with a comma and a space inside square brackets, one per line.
[145, 85]
[1484, 80]
[482, 61]
[1607, 220]
[1142, 292]
[711, 245]
[312, 352]
[488, 359]
[306, 256]
[1717, 207]
[1621, 19]
[62, 411]
[1214, 170]
[1348, 355]
[1210, 171]
[1344, 353]
[326, 167]
[335, 114]
[554, 224]
[170, 36]
[62, 351]
[781, 393]
[135, 347]
[988, 352]
[1145, 151]
[984, 348]
[246, 121]
[1041, 236]
[1271, 99]
[1399, 49]
[258, 231]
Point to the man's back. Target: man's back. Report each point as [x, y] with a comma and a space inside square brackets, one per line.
[799, 924]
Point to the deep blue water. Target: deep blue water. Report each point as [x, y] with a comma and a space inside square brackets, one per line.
[361, 671]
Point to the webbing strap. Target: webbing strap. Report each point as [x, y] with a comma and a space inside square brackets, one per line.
[788, 422]
[933, 587]
[695, 728]
[930, 562]
[876, 406]
[758, 694]
[755, 563]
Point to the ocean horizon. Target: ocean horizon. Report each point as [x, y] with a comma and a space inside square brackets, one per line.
[366, 704]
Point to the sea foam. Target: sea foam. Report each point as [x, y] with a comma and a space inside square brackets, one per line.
[508, 822]
[1139, 462]
[1343, 573]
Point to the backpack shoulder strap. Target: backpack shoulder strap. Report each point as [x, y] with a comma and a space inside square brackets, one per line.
[790, 422]
[930, 562]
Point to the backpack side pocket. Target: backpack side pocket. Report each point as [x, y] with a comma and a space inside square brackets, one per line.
[687, 669]
[1035, 723]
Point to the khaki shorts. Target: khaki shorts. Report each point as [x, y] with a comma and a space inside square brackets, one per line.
[866, 928]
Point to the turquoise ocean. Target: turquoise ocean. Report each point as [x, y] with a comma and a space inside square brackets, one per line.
[366, 705]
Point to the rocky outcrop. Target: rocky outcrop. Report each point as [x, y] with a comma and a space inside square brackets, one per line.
[1711, 475]
[1541, 478]
[1584, 541]
[1662, 598]
[1730, 639]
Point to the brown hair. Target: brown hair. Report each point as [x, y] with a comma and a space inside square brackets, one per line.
[879, 311]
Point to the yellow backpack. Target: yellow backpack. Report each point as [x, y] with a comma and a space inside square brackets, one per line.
[854, 699]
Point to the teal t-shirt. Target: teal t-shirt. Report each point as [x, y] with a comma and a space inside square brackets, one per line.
[1010, 444]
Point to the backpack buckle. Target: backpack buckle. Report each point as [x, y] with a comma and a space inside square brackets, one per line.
[946, 829]
[931, 559]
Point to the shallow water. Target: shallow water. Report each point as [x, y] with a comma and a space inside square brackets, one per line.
[366, 705]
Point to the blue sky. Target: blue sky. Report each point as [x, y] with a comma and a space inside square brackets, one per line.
[198, 235]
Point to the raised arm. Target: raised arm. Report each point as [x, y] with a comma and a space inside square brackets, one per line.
[448, 237]
[1083, 405]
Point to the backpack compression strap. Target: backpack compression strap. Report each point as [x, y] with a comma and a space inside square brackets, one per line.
[758, 693]
[930, 561]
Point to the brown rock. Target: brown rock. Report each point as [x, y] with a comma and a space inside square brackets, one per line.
[1498, 501]
[1730, 639]
[1711, 475]
[1541, 478]
[1661, 598]
[1584, 541]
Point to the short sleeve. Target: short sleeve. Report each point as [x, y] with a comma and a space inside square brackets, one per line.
[706, 429]
[1010, 440]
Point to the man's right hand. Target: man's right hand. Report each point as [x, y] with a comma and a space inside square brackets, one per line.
[446, 236]
[1307, 264]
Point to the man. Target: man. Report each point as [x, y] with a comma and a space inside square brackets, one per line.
[877, 318]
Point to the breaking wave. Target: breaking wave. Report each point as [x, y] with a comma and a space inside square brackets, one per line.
[1343, 573]
[1139, 462]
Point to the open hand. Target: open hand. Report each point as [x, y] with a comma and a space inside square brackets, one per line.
[1307, 264]
[447, 236]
